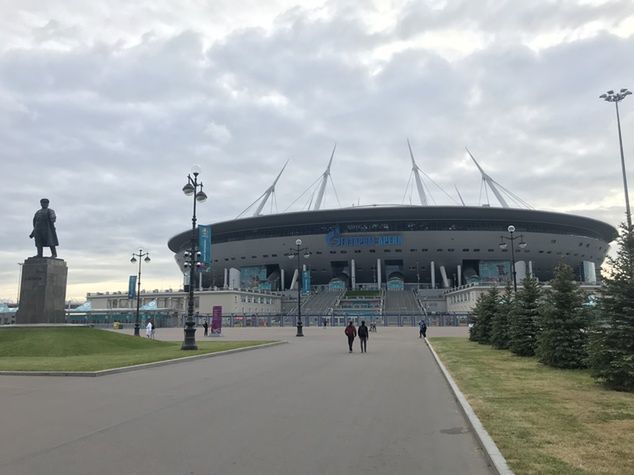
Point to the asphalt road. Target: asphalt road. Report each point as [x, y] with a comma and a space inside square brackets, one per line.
[307, 407]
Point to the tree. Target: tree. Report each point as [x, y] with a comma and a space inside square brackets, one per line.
[611, 349]
[523, 329]
[484, 310]
[501, 320]
[562, 340]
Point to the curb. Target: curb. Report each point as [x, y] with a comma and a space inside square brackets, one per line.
[127, 369]
[493, 454]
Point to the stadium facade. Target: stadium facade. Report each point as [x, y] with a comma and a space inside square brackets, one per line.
[394, 247]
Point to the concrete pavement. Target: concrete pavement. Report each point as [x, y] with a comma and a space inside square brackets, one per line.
[307, 407]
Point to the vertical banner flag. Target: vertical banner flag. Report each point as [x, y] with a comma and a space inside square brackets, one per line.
[306, 281]
[216, 320]
[132, 287]
[204, 244]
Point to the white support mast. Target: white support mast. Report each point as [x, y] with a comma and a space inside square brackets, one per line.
[324, 181]
[416, 172]
[489, 181]
[269, 191]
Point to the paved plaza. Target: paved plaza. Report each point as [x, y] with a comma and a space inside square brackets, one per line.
[306, 407]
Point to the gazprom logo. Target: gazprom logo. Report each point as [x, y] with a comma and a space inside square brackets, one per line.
[335, 239]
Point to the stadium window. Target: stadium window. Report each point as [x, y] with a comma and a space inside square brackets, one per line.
[318, 252]
[580, 244]
[412, 250]
[333, 252]
[254, 257]
[423, 250]
[273, 255]
[465, 250]
[567, 253]
[387, 250]
[233, 258]
[398, 250]
[372, 251]
[553, 241]
[226, 259]
[242, 257]
[541, 252]
[491, 250]
[343, 252]
[450, 250]
[476, 250]
[438, 250]
[357, 251]
[549, 252]
[505, 250]
[265, 255]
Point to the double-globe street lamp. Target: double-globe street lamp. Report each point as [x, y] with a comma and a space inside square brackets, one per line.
[617, 97]
[503, 245]
[291, 255]
[140, 255]
[192, 188]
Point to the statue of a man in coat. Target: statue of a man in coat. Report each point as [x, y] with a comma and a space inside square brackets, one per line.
[44, 229]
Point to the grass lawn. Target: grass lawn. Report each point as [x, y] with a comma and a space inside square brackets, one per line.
[89, 349]
[543, 420]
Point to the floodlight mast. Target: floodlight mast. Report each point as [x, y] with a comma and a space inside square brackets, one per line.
[324, 181]
[419, 182]
[489, 181]
[269, 191]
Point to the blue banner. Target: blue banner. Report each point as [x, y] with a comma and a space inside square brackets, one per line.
[132, 287]
[204, 244]
[306, 281]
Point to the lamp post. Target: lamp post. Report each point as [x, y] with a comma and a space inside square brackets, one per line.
[522, 244]
[292, 253]
[140, 255]
[192, 188]
[617, 97]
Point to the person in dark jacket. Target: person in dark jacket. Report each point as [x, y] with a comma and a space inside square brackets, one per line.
[422, 329]
[363, 337]
[350, 332]
[206, 328]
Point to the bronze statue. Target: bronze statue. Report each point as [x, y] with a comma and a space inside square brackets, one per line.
[44, 229]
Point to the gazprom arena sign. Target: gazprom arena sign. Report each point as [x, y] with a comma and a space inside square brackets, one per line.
[335, 239]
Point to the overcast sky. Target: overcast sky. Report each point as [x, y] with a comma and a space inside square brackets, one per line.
[106, 105]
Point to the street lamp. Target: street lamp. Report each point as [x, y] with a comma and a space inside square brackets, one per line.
[617, 97]
[291, 255]
[191, 188]
[522, 244]
[140, 255]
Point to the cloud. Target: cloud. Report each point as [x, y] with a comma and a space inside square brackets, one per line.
[105, 114]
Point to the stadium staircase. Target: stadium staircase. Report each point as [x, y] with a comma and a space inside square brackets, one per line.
[401, 302]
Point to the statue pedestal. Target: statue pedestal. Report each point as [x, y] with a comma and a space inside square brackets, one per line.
[42, 291]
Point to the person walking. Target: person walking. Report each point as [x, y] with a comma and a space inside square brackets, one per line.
[350, 332]
[206, 327]
[422, 329]
[148, 329]
[363, 337]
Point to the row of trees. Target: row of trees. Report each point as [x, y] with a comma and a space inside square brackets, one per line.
[560, 329]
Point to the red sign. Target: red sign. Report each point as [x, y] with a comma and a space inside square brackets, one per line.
[216, 320]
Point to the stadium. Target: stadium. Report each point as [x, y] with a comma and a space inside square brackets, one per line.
[397, 248]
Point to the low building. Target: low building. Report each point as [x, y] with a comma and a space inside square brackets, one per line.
[233, 302]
